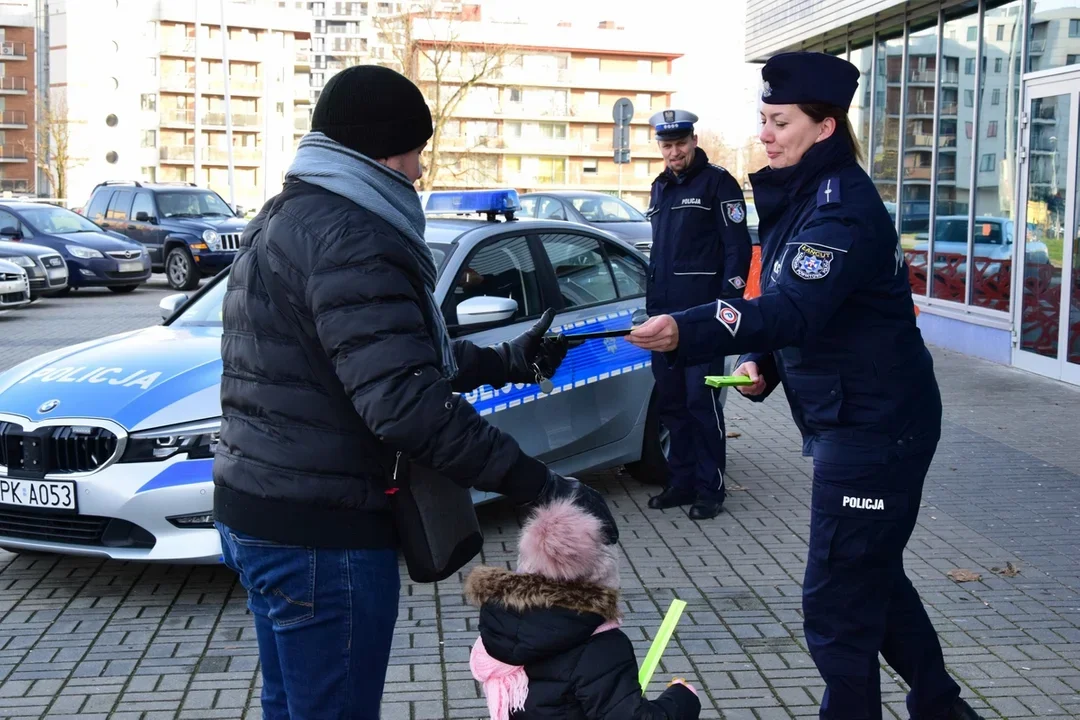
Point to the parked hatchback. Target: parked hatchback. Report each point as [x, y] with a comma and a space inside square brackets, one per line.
[94, 257]
[190, 232]
[598, 209]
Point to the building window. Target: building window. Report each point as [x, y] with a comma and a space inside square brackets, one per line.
[1000, 32]
[987, 162]
[592, 99]
[972, 33]
[590, 133]
[1074, 28]
[515, 95]
[149, 138]
[991, 129]
[969, 98]
[969, 66]
[644, 102]
[149, 174]
[590, 167]
[148, 101]
[152, 66]
[281, 108]
[995, 97]
[1072, 59]
[997, 65]
[968, 130]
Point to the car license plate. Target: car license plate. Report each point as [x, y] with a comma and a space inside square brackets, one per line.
[55, 273]
[52, 494]
[131, 266]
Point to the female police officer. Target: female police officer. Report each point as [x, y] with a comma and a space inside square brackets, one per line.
[835, 324]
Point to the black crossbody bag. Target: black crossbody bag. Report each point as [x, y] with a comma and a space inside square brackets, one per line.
[434, 517]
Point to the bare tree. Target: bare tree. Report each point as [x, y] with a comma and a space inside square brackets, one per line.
[719, 152]
[426, 45]
[54, 154]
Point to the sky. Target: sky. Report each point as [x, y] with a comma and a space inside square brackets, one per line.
[712, 79]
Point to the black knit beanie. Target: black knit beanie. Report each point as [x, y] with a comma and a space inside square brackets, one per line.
[373, 110]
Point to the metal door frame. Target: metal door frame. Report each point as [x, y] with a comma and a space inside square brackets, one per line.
[1058, 367]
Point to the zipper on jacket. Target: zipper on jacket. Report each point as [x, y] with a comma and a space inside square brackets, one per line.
[394, 488]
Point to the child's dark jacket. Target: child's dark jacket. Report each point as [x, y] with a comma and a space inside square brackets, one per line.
[548, 627]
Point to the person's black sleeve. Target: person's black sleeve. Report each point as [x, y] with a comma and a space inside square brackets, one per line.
[375, 335]
[730, 208]
[766, 363]
[605, 682]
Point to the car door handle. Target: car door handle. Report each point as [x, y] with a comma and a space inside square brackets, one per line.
[132, 227]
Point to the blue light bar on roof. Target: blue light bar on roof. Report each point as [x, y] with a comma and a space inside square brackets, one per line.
[472, 201]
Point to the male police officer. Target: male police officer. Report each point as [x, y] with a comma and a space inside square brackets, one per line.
[701, 252]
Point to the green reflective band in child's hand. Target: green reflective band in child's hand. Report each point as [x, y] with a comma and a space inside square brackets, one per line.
[660, 643]
[727, 380]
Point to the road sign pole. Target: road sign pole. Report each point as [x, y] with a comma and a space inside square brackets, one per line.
[622, 113]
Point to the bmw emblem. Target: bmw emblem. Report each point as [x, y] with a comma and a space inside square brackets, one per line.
[47, 406]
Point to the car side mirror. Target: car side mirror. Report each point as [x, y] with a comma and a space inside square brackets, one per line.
[170, 304]
[486, 310]
[11, 232]
[143, 216]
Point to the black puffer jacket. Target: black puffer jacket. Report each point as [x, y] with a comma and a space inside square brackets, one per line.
[301, 464]
[548, 627]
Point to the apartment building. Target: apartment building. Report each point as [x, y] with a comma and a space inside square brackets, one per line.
[543, 120]
[144, 84]
[17, 100]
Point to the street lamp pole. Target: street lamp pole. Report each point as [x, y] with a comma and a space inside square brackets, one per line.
[228, 108]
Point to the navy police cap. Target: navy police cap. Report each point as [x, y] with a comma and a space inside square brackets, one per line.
[808, 77]
[673, 124]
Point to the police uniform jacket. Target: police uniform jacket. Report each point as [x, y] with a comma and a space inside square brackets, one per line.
[701, 246]
[835, 323]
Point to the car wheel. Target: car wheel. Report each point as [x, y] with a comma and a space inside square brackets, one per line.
[180, 270]
[61, 292]
[123, 289]
[652, 469]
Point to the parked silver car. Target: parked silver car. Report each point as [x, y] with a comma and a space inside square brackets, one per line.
[598, 209]
[14, 286]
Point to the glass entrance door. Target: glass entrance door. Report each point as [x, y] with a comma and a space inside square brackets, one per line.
[1048, 311]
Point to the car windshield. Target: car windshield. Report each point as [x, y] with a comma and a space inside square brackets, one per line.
[955, 231]
[207, 310]
[604, 210]
[192, 204]
[53, 220]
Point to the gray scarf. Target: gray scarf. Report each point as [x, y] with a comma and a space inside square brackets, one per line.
[386, 193]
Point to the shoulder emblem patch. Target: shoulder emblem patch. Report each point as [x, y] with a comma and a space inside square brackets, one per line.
[735, 211]
[810, 263]
[737, 282]
[728, 316]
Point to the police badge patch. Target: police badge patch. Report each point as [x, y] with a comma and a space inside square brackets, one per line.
[728, 316]
[735, 211]
[811, 263]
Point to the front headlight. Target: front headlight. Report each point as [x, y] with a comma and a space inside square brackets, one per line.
[196, 440]
[22, 261]
[83, 252]
[212, 239]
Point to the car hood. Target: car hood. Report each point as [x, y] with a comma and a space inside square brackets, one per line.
[147, 378]
[96, 240]
[220, 224]
[633, 231]
[14, 249]
[10, 267]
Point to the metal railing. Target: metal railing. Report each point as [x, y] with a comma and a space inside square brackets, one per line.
[212, 83]
[12, 152]
[13, 117]
[186, 154]
[17, 84]
[187, 117]
[12, 49]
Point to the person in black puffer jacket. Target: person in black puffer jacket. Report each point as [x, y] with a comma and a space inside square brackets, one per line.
[550, 644]
[302, 467]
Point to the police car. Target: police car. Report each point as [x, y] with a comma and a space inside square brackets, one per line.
[106, 447]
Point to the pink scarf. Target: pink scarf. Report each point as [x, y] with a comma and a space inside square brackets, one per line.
[506, 686]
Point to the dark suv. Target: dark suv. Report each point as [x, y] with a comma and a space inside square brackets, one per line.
[190, 232]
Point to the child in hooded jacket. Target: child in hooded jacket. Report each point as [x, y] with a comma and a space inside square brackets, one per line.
[550, 644]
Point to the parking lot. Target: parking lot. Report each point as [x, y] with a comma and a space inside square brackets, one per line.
[85, 638]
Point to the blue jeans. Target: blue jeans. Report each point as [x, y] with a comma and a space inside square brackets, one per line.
[324, 620]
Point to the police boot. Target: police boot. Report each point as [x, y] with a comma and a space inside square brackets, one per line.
[962, 711]
[704, 508]
[671, 497]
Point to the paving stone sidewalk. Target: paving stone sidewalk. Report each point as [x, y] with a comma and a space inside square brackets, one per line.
[88, 639]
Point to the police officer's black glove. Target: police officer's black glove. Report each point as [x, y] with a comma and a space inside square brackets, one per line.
[589, 500]
[531, 352]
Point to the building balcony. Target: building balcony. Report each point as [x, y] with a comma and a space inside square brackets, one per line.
[12, 85]
[12, 51]
[181, 46]
[629, 82]
[919, 140]
[12, 153]
[1037, 45]
[302, 58]
[514, 145]
[186, 118]
[928, 77]
[185, 155]
[213, 85]
[13, 120]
